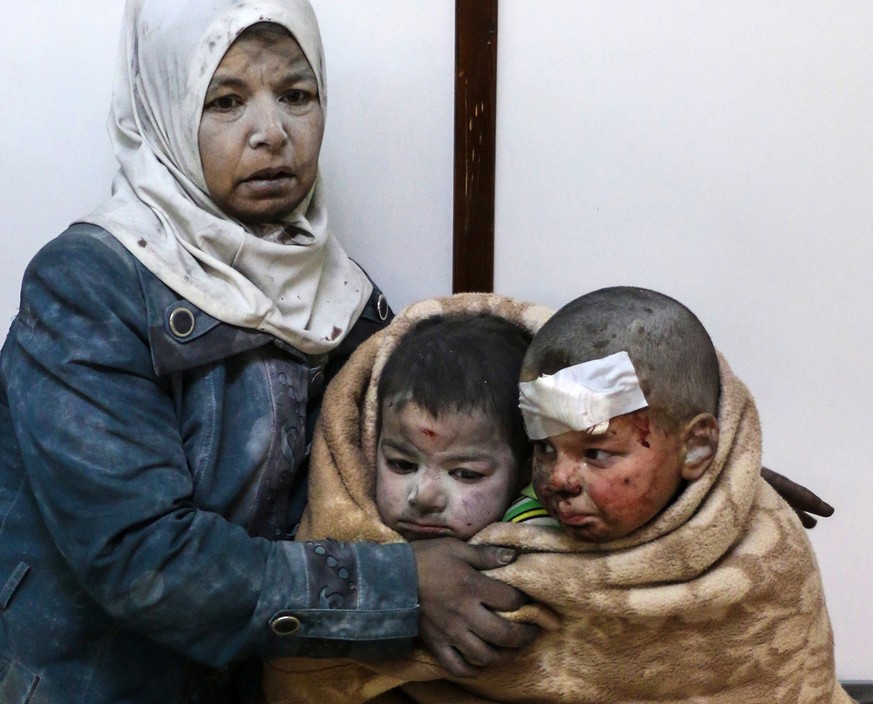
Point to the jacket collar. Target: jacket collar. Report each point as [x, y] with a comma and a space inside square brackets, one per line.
[182, 336]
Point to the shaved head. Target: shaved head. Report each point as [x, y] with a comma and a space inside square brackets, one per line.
[670, 349]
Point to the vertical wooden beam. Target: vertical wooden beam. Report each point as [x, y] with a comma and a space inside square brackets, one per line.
[475, 131]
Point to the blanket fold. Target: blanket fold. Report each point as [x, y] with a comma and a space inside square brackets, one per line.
[718, 599]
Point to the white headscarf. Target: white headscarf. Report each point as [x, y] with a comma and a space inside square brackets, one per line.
[307, 293]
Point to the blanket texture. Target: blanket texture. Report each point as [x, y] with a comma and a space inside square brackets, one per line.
[717, 600]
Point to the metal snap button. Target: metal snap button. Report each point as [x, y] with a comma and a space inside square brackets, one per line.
[316, 383]
[284, 624]
[182, 322]
[382, 307]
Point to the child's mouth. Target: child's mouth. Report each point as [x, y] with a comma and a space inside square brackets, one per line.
[422, 530]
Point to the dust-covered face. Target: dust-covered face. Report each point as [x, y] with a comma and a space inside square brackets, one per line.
[261, 129]
[604, 486]
[446, 476]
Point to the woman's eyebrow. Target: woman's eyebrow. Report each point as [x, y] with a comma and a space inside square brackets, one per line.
[303, 73]
[219, 81]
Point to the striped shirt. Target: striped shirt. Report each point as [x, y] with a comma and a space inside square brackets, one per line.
[527, 509]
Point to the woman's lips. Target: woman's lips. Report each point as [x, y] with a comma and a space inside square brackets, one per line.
[270, 174]
[268, 180]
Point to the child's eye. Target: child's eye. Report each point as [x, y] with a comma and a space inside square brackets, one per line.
[596, 455]
[402, 466]
[466, 475]
[542, 448]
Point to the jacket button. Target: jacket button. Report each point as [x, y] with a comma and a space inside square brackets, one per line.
[181, 322]
[284, 624]
[382, 307]
[316, 382]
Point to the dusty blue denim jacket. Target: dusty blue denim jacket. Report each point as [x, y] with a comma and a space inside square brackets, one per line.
[147, 453]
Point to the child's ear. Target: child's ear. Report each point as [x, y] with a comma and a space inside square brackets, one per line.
[700, 436]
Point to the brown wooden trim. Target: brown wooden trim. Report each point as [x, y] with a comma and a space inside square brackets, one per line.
[475, 130]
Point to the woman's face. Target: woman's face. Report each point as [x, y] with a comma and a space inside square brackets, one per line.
[261, 129]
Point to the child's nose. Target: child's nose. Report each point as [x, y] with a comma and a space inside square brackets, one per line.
[427, 493]
[566, 476]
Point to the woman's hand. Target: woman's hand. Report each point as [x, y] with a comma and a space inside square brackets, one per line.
[457, 623]
[801, 499]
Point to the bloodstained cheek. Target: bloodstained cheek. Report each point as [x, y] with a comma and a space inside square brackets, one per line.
[427, 432]
[612, 494]
[626, 500]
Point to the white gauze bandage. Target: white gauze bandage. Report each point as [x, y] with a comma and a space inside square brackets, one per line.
[582, 397]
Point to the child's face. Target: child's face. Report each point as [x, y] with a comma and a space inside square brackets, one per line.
[602, 487]
[446, 476]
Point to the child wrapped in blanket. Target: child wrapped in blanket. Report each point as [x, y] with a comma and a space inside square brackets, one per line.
[679, 575]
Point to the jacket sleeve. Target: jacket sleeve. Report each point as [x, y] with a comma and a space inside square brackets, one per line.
[104, 457]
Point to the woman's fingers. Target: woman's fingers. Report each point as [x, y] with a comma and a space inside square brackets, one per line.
[801, 499]
[457, 622]
[451, 660]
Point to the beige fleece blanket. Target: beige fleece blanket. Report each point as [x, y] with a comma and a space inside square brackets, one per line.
[717, 600]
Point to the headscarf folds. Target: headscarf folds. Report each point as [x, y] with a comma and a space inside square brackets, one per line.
[306, 292]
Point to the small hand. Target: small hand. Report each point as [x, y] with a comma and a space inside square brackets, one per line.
[801, 499]
[457, 623]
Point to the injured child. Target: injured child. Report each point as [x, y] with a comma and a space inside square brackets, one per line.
[675, 574]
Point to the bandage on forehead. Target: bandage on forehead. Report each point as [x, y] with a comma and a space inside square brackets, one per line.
[583, 397]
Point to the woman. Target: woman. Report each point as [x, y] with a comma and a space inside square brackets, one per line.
[159, 387]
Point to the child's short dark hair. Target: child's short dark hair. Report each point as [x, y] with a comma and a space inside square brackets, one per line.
[671, 351]
[461, 363]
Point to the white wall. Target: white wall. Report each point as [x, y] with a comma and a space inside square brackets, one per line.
[720, 152]
[387, 154]
[56, 63]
